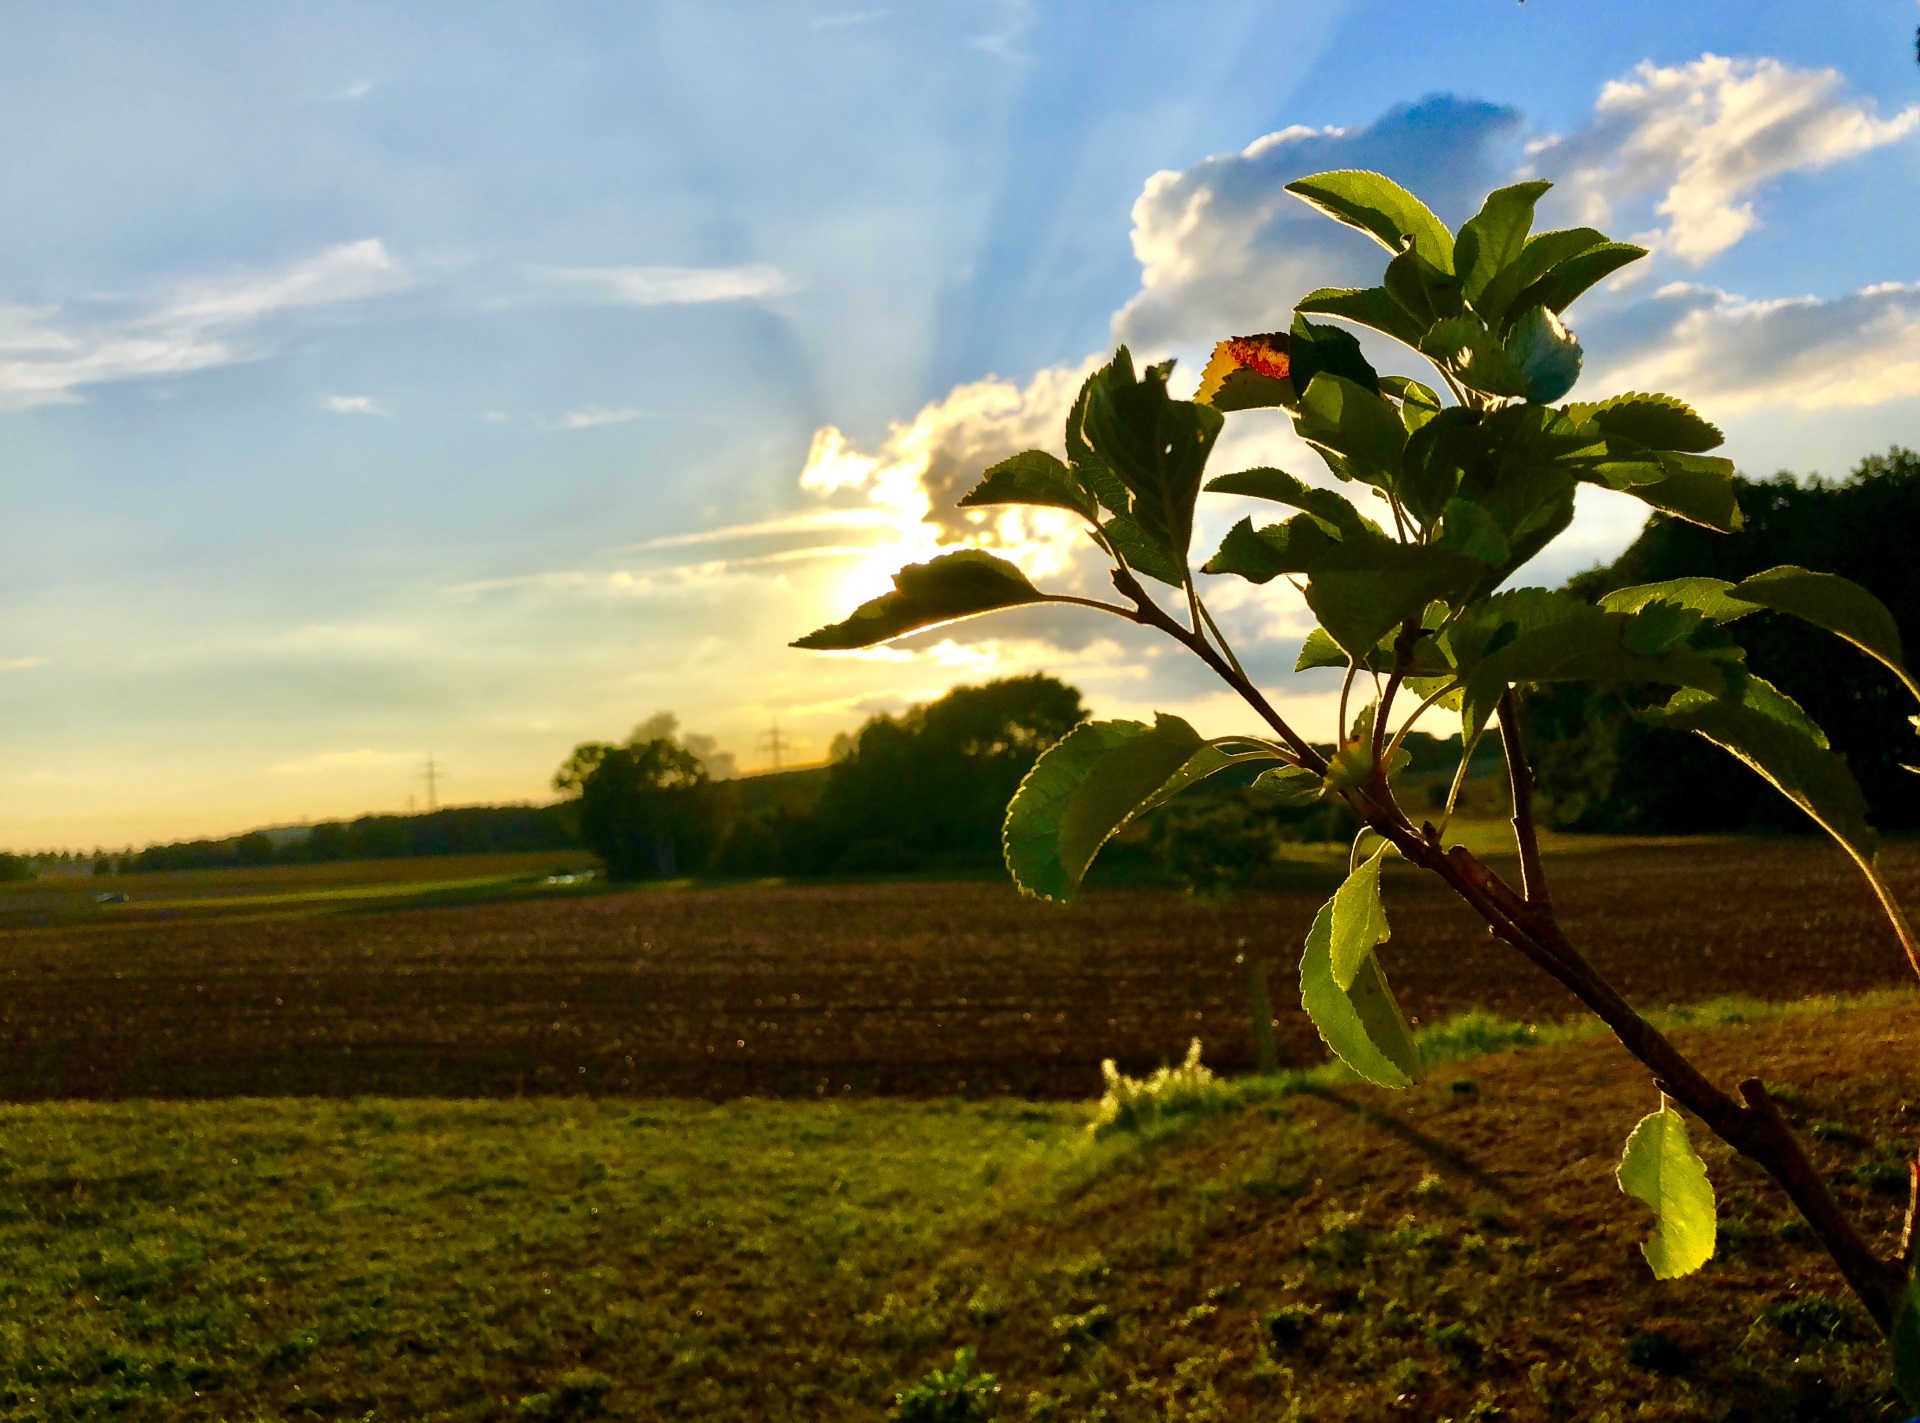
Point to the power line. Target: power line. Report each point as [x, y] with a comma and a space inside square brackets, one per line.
[433, 775]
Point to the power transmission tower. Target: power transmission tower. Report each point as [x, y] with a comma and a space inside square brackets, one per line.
[776, 742]
[433, 775]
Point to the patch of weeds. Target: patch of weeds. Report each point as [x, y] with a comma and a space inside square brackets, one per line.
[1888, 1178]
[1463, 1087]
[1810, 1318]
[986, 1305]
[1132, 1104]
[1287, 1326]
[1793, 1230]
[1407, 1378]
[1835, 1134]
[957, 1396]
[1658, 1352]
[1458, 1343]
[579, 1394]
[1094, 1326]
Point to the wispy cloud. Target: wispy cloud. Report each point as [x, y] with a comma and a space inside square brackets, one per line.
[22, 664]
[819, 521]
[354, 92]
[593, 417]
[851, 17]
[352, 405]
[49, 354]
[668, 286]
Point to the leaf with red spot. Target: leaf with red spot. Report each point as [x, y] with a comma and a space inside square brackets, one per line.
[1249, 373]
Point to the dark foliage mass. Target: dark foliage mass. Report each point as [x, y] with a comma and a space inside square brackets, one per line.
[1600, 769]
[460, 830]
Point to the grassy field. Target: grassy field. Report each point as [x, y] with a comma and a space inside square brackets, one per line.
[449, 1178]
[1310, 1250]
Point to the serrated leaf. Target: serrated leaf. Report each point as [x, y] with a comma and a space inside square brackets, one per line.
[1248, 373]
[1083, 789]
[1289, 786]
[1468, 528]
[1209, 760]
[1360, 593]
[1156, 445]
[1034, 477]
[1660, 422]
[1418, 403]
[1493, 238]
[1344, 417]
[1359, 919]
[1837, 604]
[1143, 552]
[1259, 556]
[942, 590]
[1697, 488]
[1372, 307]
[1661, 1169]
[1424, 292]
[1330, 509]
[1711, 597]
[1658, 627]
[1903, 1344]
[1314, 347]
[1381, 208]
[1807, 774]
[1546, 352]
[1362, 1025]
[1319, 650]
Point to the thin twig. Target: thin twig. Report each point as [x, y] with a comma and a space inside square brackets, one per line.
[1418, 712]
[1218, 636]
[1340, 729]
[1533, 875]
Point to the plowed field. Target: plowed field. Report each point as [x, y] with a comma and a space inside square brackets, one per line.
[913, 989]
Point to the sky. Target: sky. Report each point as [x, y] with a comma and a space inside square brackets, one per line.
[380, 381]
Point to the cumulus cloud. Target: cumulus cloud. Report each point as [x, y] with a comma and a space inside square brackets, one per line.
[668, 286]
[1224, 248]
[1731, 354]
[351, 405]
[1700, 139]
[49, 354]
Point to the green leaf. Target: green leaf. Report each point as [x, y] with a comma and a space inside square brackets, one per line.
[1034, 477]
[1382, 208]
[1658, 627]
[1542, 253]
[1467, 527]
[1331, 510]
[1314, 347]
[1418, 403]
[1319, 650]
[1361, 593]
[1661, 1169]
[1158, 446]
[1697, 488]
[1347, 419]
[1352, 765]
[1359, 919]
[1465, 347]
[1712, 598]
[1362, 1024]
[1659, 422]
[943, 590]
[1249, 373]
[1143, 552]
[1493, 238]
[1562, 286]
[1083, 789]
[1546, 353]
[1837, 604]
[1424, 292]
[1904, 1344]
[1290, 786]
[1209, 760]
[1810, 776]
[1260, 556]
[1372, 307]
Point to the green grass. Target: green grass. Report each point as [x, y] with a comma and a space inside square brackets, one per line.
[565, 1258]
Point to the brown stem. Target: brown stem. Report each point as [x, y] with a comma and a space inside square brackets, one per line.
[1533, 875]
[1909, 1240]
[1153, 615]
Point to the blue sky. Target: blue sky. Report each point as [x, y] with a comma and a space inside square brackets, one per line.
[479, 379]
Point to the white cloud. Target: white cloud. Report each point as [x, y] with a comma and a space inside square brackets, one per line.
[1224, 249]
[1701, 139]
[48, 355]
[352, 405]
[22, 664]
[851, 17]
[591, 417]
[354, 92]
[1731, 354]
[669, 286]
